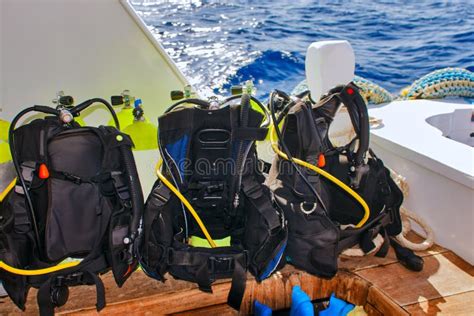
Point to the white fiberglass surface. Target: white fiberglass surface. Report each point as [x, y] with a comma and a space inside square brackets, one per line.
[457, 125]
[405, 131]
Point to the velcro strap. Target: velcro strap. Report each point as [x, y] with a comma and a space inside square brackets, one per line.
[249, 133]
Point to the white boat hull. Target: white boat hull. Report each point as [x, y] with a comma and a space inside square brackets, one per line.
[439, 171]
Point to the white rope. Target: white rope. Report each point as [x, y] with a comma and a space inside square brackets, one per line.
[357, 252]
[406, 227]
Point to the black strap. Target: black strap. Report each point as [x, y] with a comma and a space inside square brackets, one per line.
[364, 236]
[261, 202]
[210, 265]
[47, 302]
[383, 251]
[249, 133]
[66, 176]
[237, 289]
[46, 306]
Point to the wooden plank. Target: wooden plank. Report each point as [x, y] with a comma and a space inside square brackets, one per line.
[142, 295]
[221, 310]
[274, 292]
[382, 303]
[444, 274]
[371, 310]
[459, 304]
[370, 261]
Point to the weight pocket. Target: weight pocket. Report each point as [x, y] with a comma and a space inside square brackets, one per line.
[74, 220]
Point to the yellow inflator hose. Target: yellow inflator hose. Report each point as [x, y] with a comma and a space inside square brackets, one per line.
[56, 268]
[7, 190]
[186, 203]
[325, 174]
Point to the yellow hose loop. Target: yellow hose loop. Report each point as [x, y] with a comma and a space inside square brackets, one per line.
[186, 203]
[7, 190]
[325, 174]
[56, 268]
[14, 270]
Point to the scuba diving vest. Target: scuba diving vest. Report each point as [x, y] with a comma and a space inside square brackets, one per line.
[77, 196]
[349, 201]
[209, 155]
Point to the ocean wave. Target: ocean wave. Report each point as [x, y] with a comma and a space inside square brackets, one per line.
[218, 44]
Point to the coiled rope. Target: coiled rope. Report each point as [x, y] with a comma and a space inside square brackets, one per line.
[447, 82]
[372, 92]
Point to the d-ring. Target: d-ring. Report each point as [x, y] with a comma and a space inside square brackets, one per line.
[315, 205]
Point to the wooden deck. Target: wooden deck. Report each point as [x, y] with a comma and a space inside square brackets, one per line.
[381, 285]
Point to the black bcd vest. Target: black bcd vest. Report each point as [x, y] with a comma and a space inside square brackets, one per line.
[86, 202]
[210, 155]
[317, 234]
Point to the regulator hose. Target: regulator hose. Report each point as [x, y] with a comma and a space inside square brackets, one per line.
[136, 194]
[349, 96]
[16, 164]
[84, 105]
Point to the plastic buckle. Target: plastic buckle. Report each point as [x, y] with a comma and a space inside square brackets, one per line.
[162, 194]
[215, 187]
[120, 187]
[75, 179]
[76, 278]
[221, 265]
[253, 190]
[28, 169]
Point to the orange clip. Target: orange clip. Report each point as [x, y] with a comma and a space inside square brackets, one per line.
[43, 172]
[321, 161]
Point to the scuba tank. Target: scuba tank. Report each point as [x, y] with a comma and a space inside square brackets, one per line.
[142, 132]
[125, 116]
[333, 197]
[210, 188]
[5, 155]
[77, 196]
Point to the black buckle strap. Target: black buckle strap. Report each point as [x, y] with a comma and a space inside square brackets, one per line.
[219, 265]
[76, 278]
[252, 189]
[121, 187]
[211, 266]
[161, 195]
[54, 292]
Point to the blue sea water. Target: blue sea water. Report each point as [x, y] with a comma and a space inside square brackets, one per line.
[221, 43]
